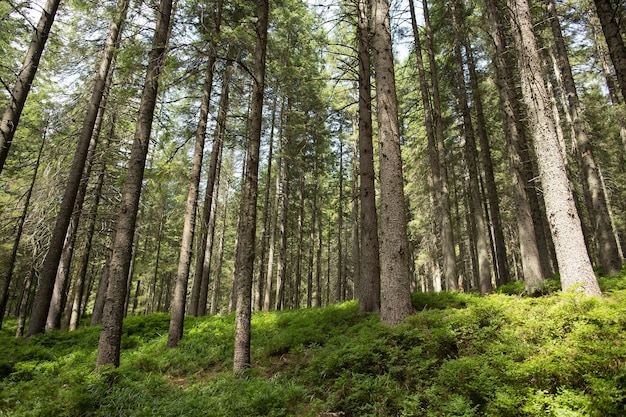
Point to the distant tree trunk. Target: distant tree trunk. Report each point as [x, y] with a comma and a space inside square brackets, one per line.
[611, 29]
[84, 263]
[445, 229]
[509, 105]
[355, 235]
[269, 275]
[260, 272]
[189, 225]
[215, 295]
[26, 293]
[318, 264]
[152, 304]
[479, 237]
[283, 193]
[394, 249]
[300, 247]
[573, 259]
[502, 266]
[98, 304]
[111, 333]
[607, 245]
[448, 245]
[340, 262]
[13, 111]
[368, 289]
[616, 97]
[200, 136]
[18, 234]
[244, 254]
[49, 271]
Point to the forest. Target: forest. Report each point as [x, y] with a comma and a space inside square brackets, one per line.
[235, 185]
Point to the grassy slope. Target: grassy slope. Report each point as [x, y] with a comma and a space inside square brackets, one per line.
[461, 355]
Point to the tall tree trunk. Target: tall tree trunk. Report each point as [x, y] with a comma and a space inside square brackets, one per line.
[340, 260]
[448, 245]
[395, 293]
[49, 271]
[368, 290]
[572, 257]
[215, 295]
[478, 221]
[616, 97]
[269, 275]
[283, 194]
[607, 245]
[611, 29]
[25, 295]
[445, 225]
[13, 111]
[244, 254]
[189, 224]
[354, 221]
[502, 266]
[98, 304]
[4, 297]
[84, 263]
[300, 248]
[509, 105]
[200, 139]
[111, 333]
[260, 272]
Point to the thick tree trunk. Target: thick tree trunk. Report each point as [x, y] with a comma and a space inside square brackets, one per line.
[509, 105]
[448, 245]
[244, 254]
[111, 333]
[49, 271]
[479, 237]
[13, 111]
[395, 303]
[572, 257]
[599, 213]
[368, 290]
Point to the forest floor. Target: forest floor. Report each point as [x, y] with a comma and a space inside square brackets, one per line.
[459, 355]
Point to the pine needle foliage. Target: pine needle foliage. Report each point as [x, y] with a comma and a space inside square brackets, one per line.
[461, 355]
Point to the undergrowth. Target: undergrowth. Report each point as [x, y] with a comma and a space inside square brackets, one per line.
[459, 355]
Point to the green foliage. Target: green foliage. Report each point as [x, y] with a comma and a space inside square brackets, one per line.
[460, 355]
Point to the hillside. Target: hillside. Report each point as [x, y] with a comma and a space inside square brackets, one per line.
[459, 355]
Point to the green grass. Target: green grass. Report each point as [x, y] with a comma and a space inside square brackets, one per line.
[459, 355]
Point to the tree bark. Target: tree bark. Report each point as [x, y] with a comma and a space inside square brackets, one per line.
[49, 271]
[111, 333]
[395, 303]
[603, 233]
[13, 111]
[368, 290]
[244, 254]
[511, 115]
[478, 221]
[572, 257]
[200, 140]
[448, 245]
[500, 258]
[18, 234]
[611, 29]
